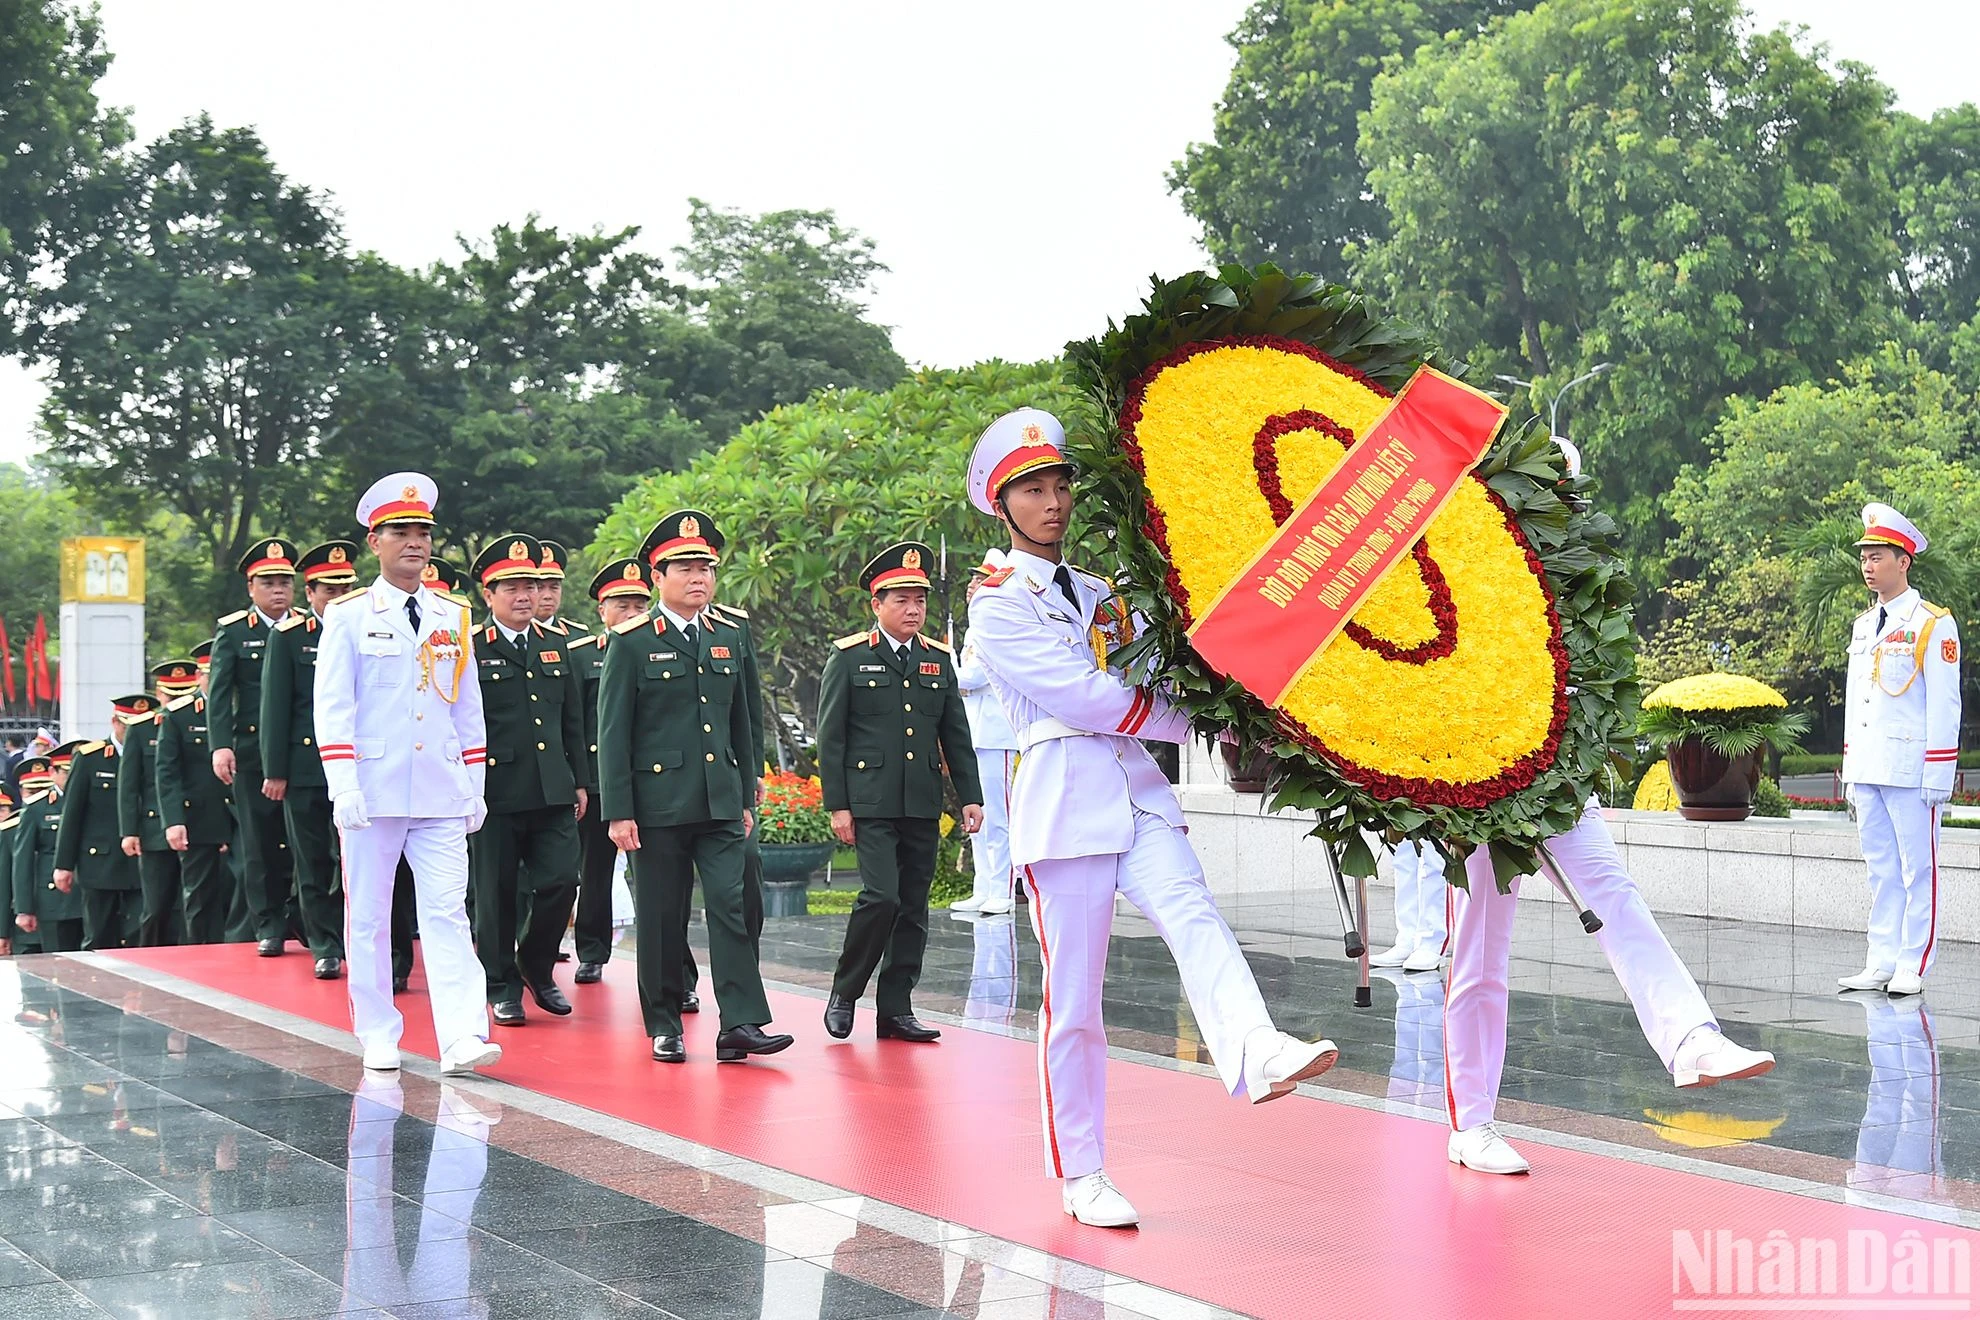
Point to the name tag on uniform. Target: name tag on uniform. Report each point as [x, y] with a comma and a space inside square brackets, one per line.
[381, 636]
[663, 655]
[873, 669]
[718, 653]
[931, 668]
[551, 657]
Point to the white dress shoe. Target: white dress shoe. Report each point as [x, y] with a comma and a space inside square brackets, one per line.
[970, 904]
[1394, 956]
[1275, 1063]
[1424, 960]
[1867, 979]
[1094, 1200]
[382, 1058]
[464, 1056]
[996, 907]
[1707, 1058]
[1483, 1149]
[1905, 983]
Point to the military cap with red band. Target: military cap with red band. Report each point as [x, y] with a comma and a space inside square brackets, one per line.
[176, 676]
[137, 703]
[271, 557]
[903, 564]
[683, 534]
[554, 557]
[407, 497]
[203, 655]
[621, 577]
[511, 555]
[332, 561]
[1883, 525]
[1015, 445]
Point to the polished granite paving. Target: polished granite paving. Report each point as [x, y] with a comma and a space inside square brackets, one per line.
[167, 1157]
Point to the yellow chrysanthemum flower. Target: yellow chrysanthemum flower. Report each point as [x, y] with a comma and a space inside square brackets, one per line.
[1656, 792]
[1716, 692]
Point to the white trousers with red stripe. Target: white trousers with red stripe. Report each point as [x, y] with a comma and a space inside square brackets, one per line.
[1072, 911]
[1900, 839]
[1420, 904]
[990, 847]
[456, 986]
[1667, 1000]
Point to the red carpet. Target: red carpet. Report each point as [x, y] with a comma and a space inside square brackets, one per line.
[1299, 1208]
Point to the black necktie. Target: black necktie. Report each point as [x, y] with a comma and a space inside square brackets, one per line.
[1064, 580]
[1880, 623]
[412, 613]
[694, 637]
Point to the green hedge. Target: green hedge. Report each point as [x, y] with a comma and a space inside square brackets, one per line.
[1822, 763]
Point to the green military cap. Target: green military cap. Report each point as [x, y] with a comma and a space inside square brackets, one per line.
[61, 755]
[35, 772]
[333, 561]
[439, 575]
[176, 676]
[903, 564]
[137, 703]
[621, 577]
[683, 534]
[275, 555]
[554, 557]
[511, 555]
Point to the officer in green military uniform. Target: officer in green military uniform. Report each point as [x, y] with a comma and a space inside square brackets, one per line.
[443, 577]
[89, 844]
[162, 915]
[290, 763]
[42, 904]
[12, 938]
[673, 742]
[623, 590]
[550, 589]
[199, 820]
[233, 698]
[539, 774]
[889, 715]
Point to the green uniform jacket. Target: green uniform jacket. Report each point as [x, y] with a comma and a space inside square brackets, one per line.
[885, 727]
[588, 654]
[288, 706]
[532, 700]
[137, 783]
[89, 840]
[35, 893]
[189, 794]
[672, 729]
[752, 685]
[233, 684]
[7, 838]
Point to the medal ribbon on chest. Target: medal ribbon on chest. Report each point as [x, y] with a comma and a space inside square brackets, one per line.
[444, 648]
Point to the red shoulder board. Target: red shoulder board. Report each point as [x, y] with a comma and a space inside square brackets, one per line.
[999, 578]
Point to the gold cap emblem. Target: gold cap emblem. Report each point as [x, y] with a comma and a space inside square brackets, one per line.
[690, 526]
[431, 573]
[630, 572]
[912, 559]
[274, 550]
[517, 550]
[338, 556]
[409, 493]
[1034, 434]
[549, 557]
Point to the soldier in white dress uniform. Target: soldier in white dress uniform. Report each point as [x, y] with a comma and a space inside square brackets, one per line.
[996, 763]
[1900, 751]
[1092, 816]
[1422, 935]
[399, 726]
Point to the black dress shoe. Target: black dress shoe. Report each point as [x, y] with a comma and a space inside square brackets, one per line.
[509, 1013]
[563, 955]
[690, 1002]
[269, 948]
[550, 999]
[590, 973]
[738, 1043]
[329, 969]
[401, 984]
[905, 1027]
[669, 1049]
[838, 1017]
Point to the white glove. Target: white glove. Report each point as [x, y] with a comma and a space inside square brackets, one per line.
[1935, 797]
[349, 811]
[477, 814]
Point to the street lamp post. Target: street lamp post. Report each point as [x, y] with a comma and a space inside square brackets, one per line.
[1554, 408]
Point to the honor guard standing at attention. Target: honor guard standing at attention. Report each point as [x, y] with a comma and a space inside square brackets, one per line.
[398, 719]
[50, 909]
[233, 698]
[162, 919]
[672, 738]
[889, 716]
[538, 771]
[996, 761]
[194, 804]
[1093, 816]
[623, 590]
[89, 846]
[1900, 751]
[291, 766]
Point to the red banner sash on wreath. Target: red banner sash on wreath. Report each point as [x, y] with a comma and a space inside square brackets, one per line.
[1275, 618]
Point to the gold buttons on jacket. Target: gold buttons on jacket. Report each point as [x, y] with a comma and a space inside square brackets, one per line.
[904, 682]
[708, 728]
[539, 721]
[532, 696]
[656, 769]
[419, 747]
[92, 852]
[910, 756]
[862, 765]
[539, 747]
[910, 733]
[305, 742]
[907, 705]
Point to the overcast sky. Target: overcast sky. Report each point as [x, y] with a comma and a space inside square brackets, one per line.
[1008, 159]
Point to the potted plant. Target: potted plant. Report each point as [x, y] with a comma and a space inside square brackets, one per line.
[793, 829]
[1714, 730]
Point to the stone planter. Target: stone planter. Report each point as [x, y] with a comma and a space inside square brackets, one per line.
[793, 863]
[1248, 767]
[1710, 786]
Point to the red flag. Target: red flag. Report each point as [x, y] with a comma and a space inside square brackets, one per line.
[41, 657]
[6, 663]
[27, 669]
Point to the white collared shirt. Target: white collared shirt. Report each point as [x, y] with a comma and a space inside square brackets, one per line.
[677, 620]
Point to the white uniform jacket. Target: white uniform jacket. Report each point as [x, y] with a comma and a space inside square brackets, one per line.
[989, 727]
[1083, 773]
[384, 719]
[1901, 722]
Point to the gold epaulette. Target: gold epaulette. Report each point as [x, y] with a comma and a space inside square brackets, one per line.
[235, 617]
[724, 621]
[91, 748]
[293, 621]
[935, 642]
[557, 626]
[633, 624]
[39, 795]
[734, 611]
[589, 639]
[848, 643]
[10, 822]
[132, 721]
[186, 700]
[349, 596]
[1936, 611]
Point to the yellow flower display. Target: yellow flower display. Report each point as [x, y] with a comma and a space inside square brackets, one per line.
[1701, 692]
[1656, 792]
[1448, 681]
